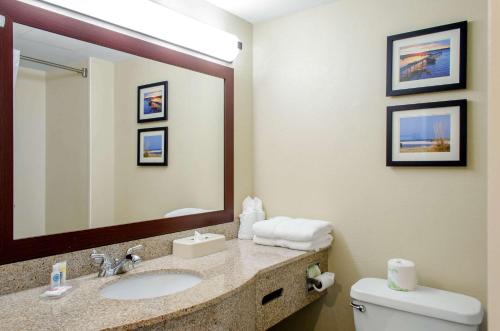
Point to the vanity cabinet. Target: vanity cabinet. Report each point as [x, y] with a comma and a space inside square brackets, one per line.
[291, 279]
[236, 312]
[274, 294]
[245, 287]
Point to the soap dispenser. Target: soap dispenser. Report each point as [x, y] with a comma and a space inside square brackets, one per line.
[55, 277]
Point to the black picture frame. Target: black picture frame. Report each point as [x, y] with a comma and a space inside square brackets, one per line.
[164, 151]
[140, 103]
[461, 161]
[462, 75]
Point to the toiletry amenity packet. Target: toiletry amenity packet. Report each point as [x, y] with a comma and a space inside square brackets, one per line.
[56, 293]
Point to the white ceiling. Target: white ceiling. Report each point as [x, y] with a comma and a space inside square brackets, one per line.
[255, 11]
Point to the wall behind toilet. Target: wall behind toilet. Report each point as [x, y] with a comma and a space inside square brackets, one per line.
[494, 168]
[320, 117]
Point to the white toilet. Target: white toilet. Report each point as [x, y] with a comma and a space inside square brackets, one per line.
[378, 308]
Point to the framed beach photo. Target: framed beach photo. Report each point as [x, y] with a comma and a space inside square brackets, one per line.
[428, 60]
[152, 102]
[427, 134]
[152, 147]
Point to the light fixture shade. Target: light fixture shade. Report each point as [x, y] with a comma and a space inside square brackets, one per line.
[155, 20]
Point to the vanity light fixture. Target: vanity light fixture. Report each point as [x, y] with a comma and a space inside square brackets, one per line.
[155, 20]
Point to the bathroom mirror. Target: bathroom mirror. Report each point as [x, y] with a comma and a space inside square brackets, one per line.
[106, 138]
[76, 137]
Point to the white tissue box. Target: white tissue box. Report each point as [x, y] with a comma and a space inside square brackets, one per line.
[189, 248]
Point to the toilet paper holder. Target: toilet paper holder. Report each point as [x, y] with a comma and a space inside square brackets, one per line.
[312, 281]
[315, 282]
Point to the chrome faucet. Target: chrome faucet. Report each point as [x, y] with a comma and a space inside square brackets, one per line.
[111, 267]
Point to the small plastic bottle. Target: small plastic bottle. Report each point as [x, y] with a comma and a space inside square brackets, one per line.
[55, 277]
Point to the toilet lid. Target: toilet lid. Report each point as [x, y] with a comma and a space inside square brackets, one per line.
[425, 301]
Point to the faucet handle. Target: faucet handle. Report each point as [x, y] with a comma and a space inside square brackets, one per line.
[98, 258]
[135, 259]
[134, 249]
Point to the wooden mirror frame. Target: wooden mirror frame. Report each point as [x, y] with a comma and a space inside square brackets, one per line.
[28, 248]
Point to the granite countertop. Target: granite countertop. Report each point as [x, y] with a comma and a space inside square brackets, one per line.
[223, 273]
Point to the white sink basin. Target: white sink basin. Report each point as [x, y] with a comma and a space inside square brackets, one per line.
[149, 285]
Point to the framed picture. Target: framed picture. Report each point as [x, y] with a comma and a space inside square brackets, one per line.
[152, 102]
[152, 147]
[427, 134]
[428, 60]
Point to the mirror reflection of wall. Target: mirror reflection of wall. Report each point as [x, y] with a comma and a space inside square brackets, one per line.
[75, 138]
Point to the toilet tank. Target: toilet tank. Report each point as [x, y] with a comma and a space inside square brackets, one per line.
[378, 308]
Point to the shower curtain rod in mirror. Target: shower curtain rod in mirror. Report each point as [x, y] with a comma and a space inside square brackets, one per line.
[82, 71]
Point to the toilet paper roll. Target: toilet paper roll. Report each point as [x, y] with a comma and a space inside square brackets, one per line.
[401, 275]
[327, 279]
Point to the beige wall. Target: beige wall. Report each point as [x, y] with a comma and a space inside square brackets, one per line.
[102, 142]
[194, 176]
[67, 158]
[494, 169]
[320, 120]
[29, 156]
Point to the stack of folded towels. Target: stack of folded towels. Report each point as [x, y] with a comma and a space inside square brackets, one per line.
[294, 233]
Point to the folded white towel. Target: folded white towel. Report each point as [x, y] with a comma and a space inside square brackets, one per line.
[248, 205]
[258, 205]
[252, 212]
[247, 220]
[316, 245]
[294, 229]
